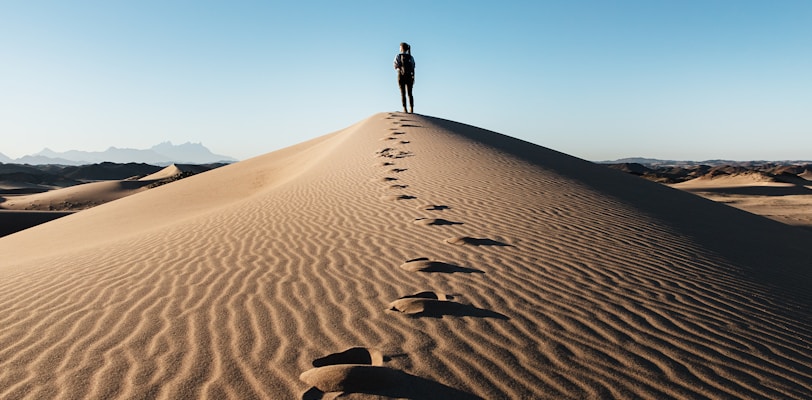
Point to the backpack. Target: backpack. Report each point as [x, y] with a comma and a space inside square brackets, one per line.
[406, 64]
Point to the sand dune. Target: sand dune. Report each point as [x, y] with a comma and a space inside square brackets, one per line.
[789, 202]
[88, 195]
[749, 179]
[77, 197]
[484, 267]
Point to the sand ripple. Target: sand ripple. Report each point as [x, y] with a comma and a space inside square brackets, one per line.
[231, 283]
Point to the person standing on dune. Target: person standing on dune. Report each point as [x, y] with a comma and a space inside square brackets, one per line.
[404, 64]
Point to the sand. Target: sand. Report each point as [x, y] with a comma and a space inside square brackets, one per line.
[485, 267]
[15, 221]
[789, 203]
[91, 194]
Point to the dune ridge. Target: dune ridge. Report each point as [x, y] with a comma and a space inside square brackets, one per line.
[568, 280]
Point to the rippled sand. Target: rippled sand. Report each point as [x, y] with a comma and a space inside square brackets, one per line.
[408, 257]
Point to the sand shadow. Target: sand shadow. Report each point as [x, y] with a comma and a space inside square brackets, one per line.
[12, 221]
[471, 241]
[417, 307]
[354, 355]
[397, 197]
[392, 383]
[453, 309]
[426, 265]
[435, 222]
[433, 207]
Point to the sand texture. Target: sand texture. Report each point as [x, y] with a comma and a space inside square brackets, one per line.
[407, 257]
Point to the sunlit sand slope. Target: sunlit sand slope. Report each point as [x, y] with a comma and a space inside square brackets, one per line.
[407, 257]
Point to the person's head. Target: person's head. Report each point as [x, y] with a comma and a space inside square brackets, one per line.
[405, 48]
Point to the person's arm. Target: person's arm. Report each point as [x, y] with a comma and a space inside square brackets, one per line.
[397, 62]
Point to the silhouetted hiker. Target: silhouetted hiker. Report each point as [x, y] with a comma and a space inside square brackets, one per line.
[404, 64]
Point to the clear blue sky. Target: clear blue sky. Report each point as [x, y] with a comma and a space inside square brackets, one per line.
[676, 79]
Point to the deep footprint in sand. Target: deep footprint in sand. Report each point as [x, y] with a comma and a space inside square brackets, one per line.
[389, 152]
[433, 207]
[384, 179]
[434, 222]
[396, 197]
[425, 265]
[353, 355]
[356, 369]
[430, 304]
[472, 241]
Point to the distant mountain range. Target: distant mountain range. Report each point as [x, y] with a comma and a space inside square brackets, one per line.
[798, 173]
[161, 154]
[712, 163]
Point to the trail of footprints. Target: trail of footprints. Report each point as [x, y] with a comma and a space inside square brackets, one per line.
[361, 369]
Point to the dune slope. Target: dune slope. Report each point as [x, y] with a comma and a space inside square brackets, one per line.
[408, 257]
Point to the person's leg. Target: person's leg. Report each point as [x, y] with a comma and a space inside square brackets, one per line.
[411, 99]
[402, 93]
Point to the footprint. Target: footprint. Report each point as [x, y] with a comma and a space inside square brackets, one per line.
[380, 382]
[350, 378]
[396, 197]
[401, 154]
[347, 371]
[425, 265]
[389, 138]
[385, 164]
[429, 295]
[398, 186]
[398, 133]
[361, 370]
[353, 355]
[403, 141]
[435, 221]
[392, 153]
[384, 179]
[430, 304]
[433, 207]
[463, 240]
[398, 170]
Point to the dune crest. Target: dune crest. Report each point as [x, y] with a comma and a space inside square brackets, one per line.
[528, 274]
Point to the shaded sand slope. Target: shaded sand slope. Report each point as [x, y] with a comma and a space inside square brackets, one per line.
[446, 258]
